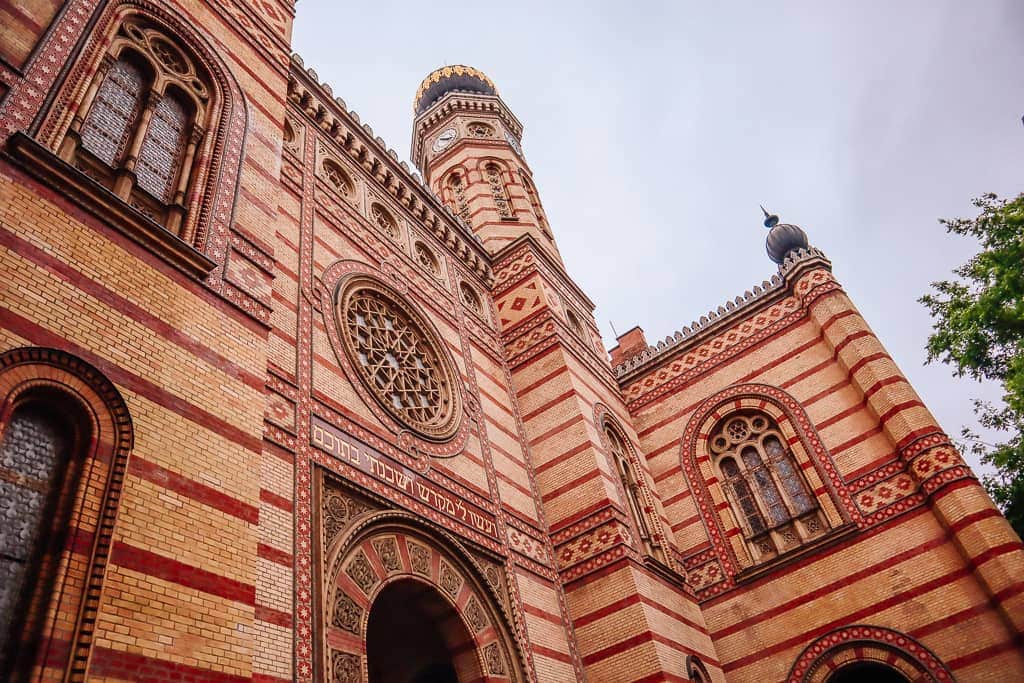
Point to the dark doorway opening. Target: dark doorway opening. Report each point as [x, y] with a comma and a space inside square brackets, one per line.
[867, 672]
[415, 636]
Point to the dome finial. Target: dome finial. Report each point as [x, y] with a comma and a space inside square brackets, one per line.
[770, 219]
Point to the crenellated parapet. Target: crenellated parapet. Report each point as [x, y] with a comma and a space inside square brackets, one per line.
[382, 165]
[725, 316]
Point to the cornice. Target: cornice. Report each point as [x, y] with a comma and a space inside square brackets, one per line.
[455, 103]
[725, 316]
[382, 164]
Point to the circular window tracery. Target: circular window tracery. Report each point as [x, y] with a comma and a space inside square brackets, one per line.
[398, 358]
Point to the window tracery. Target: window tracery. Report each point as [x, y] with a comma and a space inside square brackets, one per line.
[492, 174]
[338, 178]
[542, 221]
[480, 130]
[574, 324]
[631, 487]
[140, 123]
[398, 359]
[383, 220]
[427, 259]
[458, 190]
[471, 299]
[763, 485]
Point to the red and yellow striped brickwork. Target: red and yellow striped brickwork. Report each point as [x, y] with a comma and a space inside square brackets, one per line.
[246, 504]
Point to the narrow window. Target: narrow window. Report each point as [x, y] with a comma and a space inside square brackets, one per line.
[114, 112]
[492, 174]
[631, 487]
[163, 147]
[37, 445]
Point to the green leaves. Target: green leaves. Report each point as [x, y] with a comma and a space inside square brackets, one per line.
[978, 329]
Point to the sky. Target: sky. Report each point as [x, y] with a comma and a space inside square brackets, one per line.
[654, 131]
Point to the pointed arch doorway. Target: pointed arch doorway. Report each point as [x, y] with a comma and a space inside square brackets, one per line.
[414, 635]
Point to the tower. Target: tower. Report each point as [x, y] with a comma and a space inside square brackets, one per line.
[467, 143]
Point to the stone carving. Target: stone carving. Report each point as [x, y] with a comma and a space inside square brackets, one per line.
[347, 615]
[475, 615]
[420, 559]
[495, 662]
[450, 580]
[344, 668]
[338, 511]
[387, 551]
[360, 571]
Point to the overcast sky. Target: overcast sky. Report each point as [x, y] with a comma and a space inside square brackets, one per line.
[654, 130]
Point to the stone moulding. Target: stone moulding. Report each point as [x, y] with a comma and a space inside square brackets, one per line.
[104, 204]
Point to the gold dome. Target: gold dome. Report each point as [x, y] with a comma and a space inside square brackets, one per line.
[447, 78]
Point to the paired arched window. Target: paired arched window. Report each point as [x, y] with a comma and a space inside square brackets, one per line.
[141, 122]
[763, 483]
[43, 438]
[619, 451]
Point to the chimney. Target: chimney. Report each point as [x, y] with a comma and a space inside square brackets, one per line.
[630, 344]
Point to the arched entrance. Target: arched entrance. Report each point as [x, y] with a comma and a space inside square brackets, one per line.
[851, 654]
[405, 603]
[867, 671]
[414, 635]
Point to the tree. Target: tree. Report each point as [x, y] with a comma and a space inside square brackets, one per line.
[978, 329]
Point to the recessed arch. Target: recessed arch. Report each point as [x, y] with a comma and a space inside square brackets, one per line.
[392, 553]
[797, 431]
[836, 657]
[70, 569]
[213, 154]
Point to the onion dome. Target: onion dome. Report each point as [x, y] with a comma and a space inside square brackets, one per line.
[782, 238]
[442, 81]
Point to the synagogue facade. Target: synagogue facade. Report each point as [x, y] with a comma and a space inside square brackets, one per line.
[278, 406]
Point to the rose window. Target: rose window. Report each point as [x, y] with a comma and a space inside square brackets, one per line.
[398, 360]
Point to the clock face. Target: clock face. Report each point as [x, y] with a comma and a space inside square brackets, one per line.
[513, 143]
[446, 138]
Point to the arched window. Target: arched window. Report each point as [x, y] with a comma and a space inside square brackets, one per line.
[631, 487]
[696, 671]
[140, 123]
[493, 176]
[457, 187]
[574, 324]
[542, 221]
[764, 486]
[43, 438]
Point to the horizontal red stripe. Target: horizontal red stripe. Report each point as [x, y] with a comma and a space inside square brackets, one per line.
[151, 564]
[273, 616]
[273, 554]
[550, 654]
[128, 308]
[854, 617]
[831, 587]
[981, 655]
[130, 666]
[271, 498]
[189, 488]
[40, 336]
